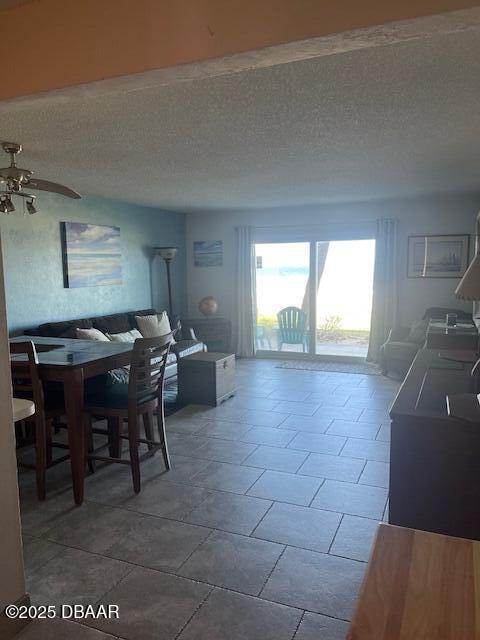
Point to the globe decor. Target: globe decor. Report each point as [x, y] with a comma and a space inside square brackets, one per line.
[208, 306]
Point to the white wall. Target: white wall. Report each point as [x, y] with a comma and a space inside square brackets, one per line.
[433, 215]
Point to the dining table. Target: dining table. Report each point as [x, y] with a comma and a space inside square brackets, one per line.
[71, 362]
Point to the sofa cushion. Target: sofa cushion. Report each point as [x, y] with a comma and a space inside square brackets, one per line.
[126, 336]
[142, 312]
[116, 323]
[91, 334]
[184, 348]
[65, 329]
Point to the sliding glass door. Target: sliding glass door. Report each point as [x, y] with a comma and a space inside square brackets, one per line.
[282, 271]
[314, 297]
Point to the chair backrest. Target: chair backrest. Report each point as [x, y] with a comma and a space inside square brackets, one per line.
[147, 369]
[292, 322]
[26, 380]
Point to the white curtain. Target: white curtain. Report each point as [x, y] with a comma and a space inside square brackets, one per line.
[385, 294]
[244, 318]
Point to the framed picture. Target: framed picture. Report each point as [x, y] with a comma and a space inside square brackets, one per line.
[208, 254]
[91, 255]
[438, 256]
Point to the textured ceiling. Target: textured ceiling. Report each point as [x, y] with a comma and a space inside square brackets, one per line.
[390, 121]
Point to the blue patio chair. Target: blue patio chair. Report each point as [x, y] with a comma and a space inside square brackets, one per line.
[292, 327]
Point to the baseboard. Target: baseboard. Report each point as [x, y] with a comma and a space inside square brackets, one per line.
[10, 628]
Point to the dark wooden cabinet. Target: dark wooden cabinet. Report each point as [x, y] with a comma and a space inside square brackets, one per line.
[206, 378]
[435, 458]
[216, 333]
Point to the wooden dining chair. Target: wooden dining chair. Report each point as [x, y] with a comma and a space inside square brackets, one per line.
[141, 396]
[27, 384]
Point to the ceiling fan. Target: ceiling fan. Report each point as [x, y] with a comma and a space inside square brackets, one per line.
[14, 180]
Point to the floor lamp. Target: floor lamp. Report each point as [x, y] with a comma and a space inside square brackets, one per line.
[168, 253]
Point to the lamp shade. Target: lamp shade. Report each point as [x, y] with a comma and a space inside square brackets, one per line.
[469, 286]
[167, 253]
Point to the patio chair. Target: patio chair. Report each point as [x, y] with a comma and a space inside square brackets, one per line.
[292, 327]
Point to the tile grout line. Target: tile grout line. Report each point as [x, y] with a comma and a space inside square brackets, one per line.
[177, 635]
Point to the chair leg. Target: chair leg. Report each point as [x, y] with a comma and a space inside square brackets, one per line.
[114, 441]
[41, 456]
[163, 435]
[148, 426]
[89, 442]
[134, 459]
[48, 443]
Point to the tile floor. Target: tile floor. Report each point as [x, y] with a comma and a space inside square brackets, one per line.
[260, 531]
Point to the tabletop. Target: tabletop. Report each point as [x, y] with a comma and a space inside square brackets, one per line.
[70, 352]
[419, 585]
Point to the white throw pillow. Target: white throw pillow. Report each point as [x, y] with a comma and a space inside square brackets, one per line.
[91, 334]
[126, 336]
[154, 326]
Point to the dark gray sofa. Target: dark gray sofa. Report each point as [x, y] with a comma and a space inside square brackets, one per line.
[118, 323]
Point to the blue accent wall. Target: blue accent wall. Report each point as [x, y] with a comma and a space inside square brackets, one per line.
[32, 256]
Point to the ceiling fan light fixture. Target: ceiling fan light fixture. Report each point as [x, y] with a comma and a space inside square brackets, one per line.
[31, 208]
[3, 206]
[10, 207]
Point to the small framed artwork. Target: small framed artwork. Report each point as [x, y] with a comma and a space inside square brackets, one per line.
[91, 255]
[438, 256]
[208, 254]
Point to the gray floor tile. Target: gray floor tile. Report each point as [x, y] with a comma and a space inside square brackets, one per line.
[233, 616]
[289, 395]
[376, 474]
[75, 577]
[157, 498]
[188, 425]
[366, 449]
[227, 477]
[232, 561]
[229, 512]
[157, 543]
[353, 429]
[384, 433]
[58, 629]
[224, 451]
[269, 436]
[372, 415]
[285, 487]
[276, 459]
[184, 445]
[153, 605]
[253, 403]
[264, 418]
[39, 517]
[184, 468]
[225, 430]
[339, 413]
[328, 399]
[322, 465]
[317, 443]
[299, 526]
[297, 408]
[354, 538]
[37, 552]
[225, 411]
[317, 627]
[355, 499]
[315, 581]
[312, 424]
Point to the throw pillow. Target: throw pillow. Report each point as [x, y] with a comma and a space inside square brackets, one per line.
[126, 336]
[154, 326]
[91, 334]
[418, 332]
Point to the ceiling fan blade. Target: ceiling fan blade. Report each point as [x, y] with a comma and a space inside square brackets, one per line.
[46, 185]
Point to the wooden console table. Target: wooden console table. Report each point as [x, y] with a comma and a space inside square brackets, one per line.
[434, 467]
[463, 336]
[419, 586]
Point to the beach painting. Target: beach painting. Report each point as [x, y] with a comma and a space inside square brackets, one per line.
[438, 256]
[208, 254]
[91, 255]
